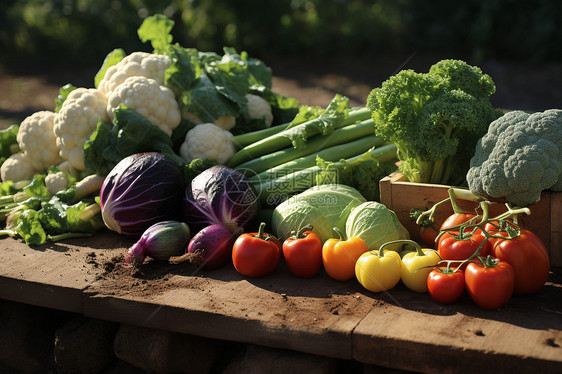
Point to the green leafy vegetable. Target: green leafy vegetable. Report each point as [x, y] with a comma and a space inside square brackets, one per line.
[113, 58]
[130, 133]
[519, 157]
[324, 207]
[62, 220]
[336, 115]
[375, 224]
[293, 159]
[156, 29]
[8, 142]
[209, 85]
[64, 91]
[362, 172]
[434, 118]
[37, 217]
[196, 167]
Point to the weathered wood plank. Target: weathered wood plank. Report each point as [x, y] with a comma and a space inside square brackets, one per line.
[315, 315]
[408, 334]
[55, 274]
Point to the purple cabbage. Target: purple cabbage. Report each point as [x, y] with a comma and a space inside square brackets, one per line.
[141, 190]
[220, 195]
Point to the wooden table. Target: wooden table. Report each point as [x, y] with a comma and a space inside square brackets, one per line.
[398, 329]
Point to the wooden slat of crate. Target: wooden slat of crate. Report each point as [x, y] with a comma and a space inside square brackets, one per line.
[401, 196]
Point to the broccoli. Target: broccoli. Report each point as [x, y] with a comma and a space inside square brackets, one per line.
[434, 118]
[519, 156]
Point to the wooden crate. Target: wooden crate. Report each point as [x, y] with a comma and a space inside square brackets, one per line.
[545, 219]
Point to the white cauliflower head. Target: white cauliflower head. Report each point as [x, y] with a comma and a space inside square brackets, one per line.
[16, 168]
[150, 99]
[207, 141]
[143, 64]
[76, 120]
[37, 140]
[259, 108]
[56, 182]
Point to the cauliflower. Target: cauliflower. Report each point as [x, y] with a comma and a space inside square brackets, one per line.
[76, 120]
[56, 182]
[150, 99]
[207, 141]
[16, 168]
[37, 141]
[143, 64]
[259, 108]
[520, 156]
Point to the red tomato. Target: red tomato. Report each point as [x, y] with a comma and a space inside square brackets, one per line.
[428, 235]
[449, 248]
[303, 254]
[490, 285]
[529, 258]
[456, 219]
[495, 228]
[444, 285]
[256, 254]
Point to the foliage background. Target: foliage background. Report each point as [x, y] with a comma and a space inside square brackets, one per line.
[82, 31]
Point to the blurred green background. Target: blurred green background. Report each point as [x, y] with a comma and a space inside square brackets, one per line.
[82, 32]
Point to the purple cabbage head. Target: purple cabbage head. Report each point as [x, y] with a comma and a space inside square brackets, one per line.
[220, 195]
[141, 190]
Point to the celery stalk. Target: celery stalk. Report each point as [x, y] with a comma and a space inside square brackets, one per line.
[243, 140]
[295, 136]
[334, 153]
[340, 136]
[274, 191]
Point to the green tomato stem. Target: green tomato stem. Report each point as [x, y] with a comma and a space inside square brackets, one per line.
[512, 213]
[489, 261]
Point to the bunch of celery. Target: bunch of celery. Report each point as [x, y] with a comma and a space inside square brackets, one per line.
[320, 146]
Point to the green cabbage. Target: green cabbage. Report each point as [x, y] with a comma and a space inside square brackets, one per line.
[324, 207]
[375, 224]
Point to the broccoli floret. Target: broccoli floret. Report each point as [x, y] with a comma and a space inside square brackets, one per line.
[434, 118]
[519, 157]
[458, 75]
